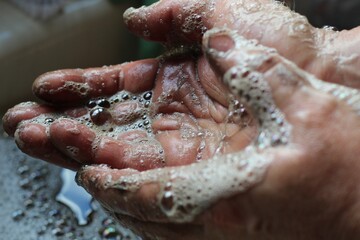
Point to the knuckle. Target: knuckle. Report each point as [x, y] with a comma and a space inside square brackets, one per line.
[318, 112]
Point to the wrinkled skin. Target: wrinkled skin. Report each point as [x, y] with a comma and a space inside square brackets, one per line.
[310, 189]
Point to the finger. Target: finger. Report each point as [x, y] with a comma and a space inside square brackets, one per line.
[141, 204]
[32, 139]
[87, 146]
[169, 21]
[240, 60]
[72, 139]
[22, 112]
[226, 48]
[153, 22]
[140, 155]
[315, 50]
[177, 194]
[185, 22]
[72, 86]
[151, 230]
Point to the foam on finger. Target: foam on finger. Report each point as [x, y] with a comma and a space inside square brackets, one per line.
[74, 86]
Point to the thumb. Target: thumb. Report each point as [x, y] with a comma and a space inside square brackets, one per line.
[275, 89]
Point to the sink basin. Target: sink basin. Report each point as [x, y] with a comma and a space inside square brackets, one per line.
[29, 209]
[87, 33]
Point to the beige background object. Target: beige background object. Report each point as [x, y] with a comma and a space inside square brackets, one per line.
[88, 33]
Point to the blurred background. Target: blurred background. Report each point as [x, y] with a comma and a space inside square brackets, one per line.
[37, 36]
[40, 36]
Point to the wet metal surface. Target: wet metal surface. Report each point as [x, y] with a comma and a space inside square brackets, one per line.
[28, 206]
[75, 197]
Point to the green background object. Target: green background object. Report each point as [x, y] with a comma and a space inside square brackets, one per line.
[146, 49]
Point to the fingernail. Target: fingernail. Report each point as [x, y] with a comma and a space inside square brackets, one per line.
[79, 175]
[85, 175]
[220, 42]
[128, 13]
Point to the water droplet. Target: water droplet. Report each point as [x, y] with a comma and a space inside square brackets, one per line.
[41, 230]
[25, 183]
[99, 116]
[18, 215]
[54, 213]
[23, 170]
[39, 186]
[44, 206]
[168, 186]
[147, 95]
[57, 232]
[29, 204]
[167, 201]
[60, 223]
[103, 103]
[147, 104]
[107, 221]
[275, 140]
[91, 104]
[36, 175]
[82, 90]
[279, 121]
[125, 96]
[70, 235]
[49, 120]
[110, 232]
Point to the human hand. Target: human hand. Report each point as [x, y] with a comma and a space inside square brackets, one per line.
[251, 194]
[179, 116]
[34, 138]
[297, 180]
[330, 55]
